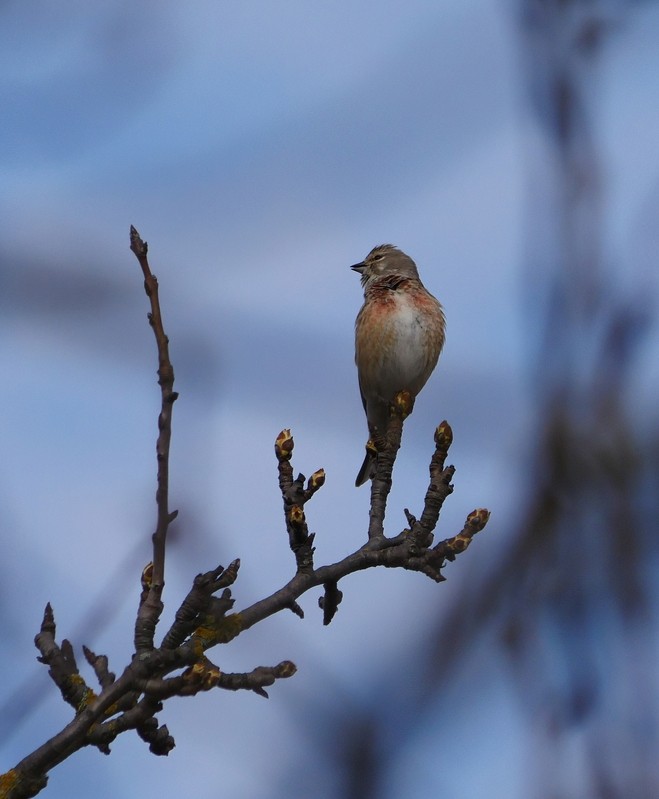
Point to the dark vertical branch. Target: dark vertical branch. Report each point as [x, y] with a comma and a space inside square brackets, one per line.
[587, 467]
[295, 496]
[565, 281]
[152, 606]
[384, 464]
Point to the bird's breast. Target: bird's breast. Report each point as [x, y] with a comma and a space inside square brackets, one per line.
[398, 340]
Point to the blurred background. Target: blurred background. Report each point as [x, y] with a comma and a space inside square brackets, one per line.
[510, 147]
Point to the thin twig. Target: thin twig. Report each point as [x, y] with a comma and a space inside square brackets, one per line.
[295, 496]
[152, 607]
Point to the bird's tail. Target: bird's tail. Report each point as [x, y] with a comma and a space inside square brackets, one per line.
[367, 471]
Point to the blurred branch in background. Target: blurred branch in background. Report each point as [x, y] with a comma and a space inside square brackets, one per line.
[570, 602]
[581, 626]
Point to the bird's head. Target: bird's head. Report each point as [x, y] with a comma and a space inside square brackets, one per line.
[385, 260]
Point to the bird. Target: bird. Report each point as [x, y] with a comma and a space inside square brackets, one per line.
[399, 335]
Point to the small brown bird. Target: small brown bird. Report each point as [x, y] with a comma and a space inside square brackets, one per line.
[399, 334]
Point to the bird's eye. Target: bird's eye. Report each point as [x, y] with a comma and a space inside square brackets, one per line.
[378, 257]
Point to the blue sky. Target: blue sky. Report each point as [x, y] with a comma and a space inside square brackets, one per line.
[260, 150]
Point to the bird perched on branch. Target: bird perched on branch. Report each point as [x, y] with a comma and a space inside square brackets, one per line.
[399, 334]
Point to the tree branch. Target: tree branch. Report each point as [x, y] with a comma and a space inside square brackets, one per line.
[152, 607]
[384, 464]
[179, 666]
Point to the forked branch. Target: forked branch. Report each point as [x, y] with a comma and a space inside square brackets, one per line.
[179, 665]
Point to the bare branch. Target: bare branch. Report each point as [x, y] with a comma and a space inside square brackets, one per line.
[151, 609]
[63, 668]
[179, 666]
[387, 451]
[295, 496]
[198, 601]
[100, 665]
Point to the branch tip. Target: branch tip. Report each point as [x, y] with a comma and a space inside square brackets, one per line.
[316, 481]
[411, 518]
[444, 436]
[477, 519]
[285, 669]
[295, 608]
[137, 245]
[229, 575]
[284, 445]
[48, 621]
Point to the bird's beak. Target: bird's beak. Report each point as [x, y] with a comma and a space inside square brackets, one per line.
[359, 267]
